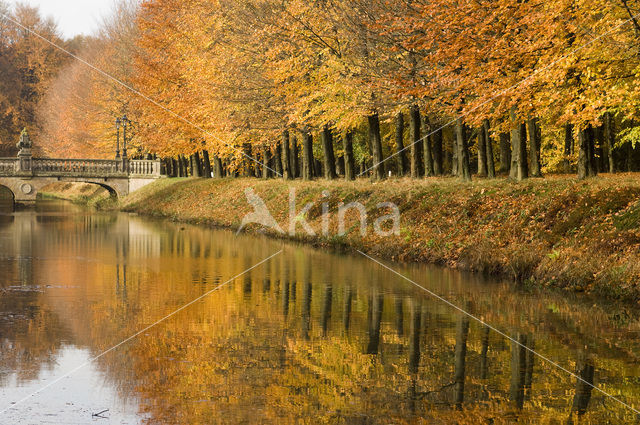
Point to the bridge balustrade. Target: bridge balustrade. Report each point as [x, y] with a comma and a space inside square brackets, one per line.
[84, 168]
[145, 167]
[98, 167]
[8, 166]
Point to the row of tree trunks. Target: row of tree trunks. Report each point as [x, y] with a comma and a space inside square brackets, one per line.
[426, 154]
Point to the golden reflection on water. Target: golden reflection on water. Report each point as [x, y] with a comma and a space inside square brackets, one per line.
[308, 337]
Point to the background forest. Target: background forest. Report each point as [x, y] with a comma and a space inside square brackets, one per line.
[333, 87]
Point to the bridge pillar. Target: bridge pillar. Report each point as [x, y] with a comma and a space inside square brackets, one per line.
[25, 156]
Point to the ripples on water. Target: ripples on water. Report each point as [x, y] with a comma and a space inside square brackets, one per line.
[308, 337]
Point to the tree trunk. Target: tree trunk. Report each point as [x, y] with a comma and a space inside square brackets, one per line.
[415, 138]
[257, 165]
[187, 168]
[349, 162]
[482, 153]
[454, 156]
[295, 158]
[428, 157]
[376, 146]
[218, 172]
[329, 157]
[207, 164]
[248, 169]
[462, 151]
[568, 147]
[438, 166]
[586, 160]
[505, 153]
[600, 150]
[340, 166]
[491, 166]
[401, 153]
[610, 139]
[534, 143]
[179, 166]
[196, 165]
[592, 150]
[426, 150]
[308, 162]
[277, 159]
[519, 167]
[266, 154]
[523, 163]
[175, 168]
[286, 153]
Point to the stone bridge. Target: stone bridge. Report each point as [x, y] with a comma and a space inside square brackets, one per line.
[25, 176]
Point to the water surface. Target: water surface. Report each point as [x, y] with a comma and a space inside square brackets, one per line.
[307, 337]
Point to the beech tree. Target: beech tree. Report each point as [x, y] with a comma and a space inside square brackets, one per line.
[526, 77]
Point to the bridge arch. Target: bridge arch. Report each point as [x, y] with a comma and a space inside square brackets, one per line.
[65, 186]
[7, 197]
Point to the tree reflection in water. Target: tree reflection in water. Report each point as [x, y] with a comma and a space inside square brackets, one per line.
[312, 335]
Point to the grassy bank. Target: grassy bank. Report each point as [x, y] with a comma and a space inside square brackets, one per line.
[557, 231]
[79, 193]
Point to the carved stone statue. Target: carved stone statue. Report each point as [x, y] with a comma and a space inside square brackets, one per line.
[24, 142]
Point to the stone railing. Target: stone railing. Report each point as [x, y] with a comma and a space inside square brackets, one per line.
[84, 168]
[8, 166]
[93, 167]
[144, 167]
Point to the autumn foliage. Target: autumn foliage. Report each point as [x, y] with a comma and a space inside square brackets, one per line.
[522, 87]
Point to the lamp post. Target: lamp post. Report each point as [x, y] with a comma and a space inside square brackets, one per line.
[117, 138]
[125, 123]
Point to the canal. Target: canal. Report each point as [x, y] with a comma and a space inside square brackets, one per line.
[89, 333]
